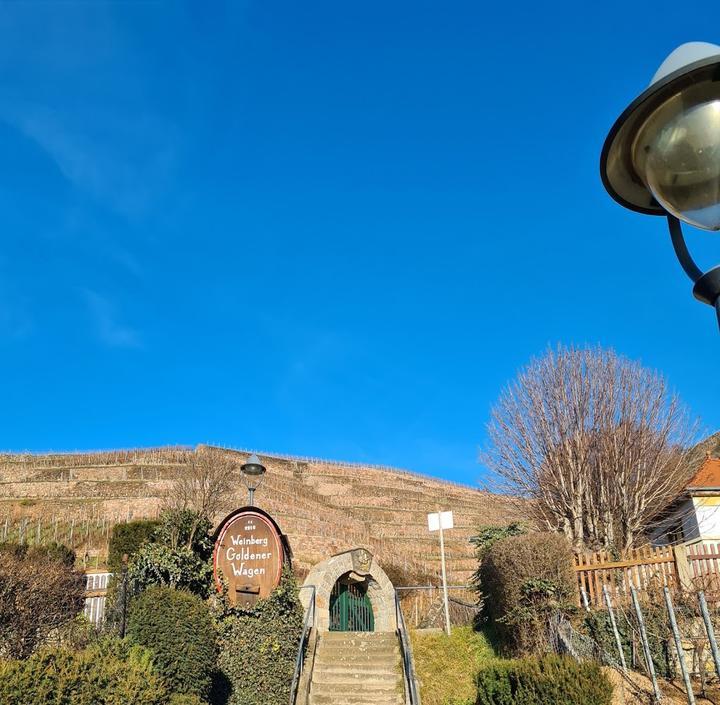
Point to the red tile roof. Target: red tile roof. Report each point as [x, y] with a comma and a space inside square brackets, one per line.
[707, 476]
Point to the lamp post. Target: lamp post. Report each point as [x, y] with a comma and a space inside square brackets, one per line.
[253, 472]
[662, 155]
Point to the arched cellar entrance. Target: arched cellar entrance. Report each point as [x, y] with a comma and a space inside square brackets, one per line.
[350, 606]
[352, 593]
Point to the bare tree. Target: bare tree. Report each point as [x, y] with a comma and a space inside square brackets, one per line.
[205, 484]
[38, 595]
[593, 440]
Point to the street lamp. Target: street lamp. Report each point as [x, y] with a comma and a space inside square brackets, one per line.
[252, 474]
[662, 155]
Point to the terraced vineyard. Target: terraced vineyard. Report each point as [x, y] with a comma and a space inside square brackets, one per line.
[324, 507]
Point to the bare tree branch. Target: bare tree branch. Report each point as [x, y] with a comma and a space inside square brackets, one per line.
[594, 441]
[204, 485]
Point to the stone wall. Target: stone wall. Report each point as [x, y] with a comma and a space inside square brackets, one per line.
[325, 508]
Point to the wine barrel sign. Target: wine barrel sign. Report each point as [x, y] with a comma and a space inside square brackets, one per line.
[248, 557]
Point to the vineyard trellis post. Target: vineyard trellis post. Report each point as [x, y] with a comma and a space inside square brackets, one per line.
[710, 630]
[679, 647]
[618, 642]
[645, 644]
[586, 604]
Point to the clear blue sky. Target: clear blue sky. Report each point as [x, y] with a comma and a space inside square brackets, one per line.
[331, 229]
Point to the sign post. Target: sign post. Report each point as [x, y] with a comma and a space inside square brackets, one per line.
[438, 521]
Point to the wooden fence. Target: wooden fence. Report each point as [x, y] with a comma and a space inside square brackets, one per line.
[685, 566]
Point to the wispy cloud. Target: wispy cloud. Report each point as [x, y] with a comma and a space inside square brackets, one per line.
[110, 331]
[82, 91]
[122, 161]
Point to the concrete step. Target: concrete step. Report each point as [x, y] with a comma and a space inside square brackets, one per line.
[358, 646]
[388, 651]
[354, 637]
[371, 636]
[357, 668]
[358, 698]
[373, 661]
[390, 687]
[362, 668]
[355, 677]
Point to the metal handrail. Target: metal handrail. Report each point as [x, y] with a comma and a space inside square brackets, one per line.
[411, 688]
[308, 624]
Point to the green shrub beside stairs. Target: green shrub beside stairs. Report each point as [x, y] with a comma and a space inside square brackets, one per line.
[550, 680]
[176, 626]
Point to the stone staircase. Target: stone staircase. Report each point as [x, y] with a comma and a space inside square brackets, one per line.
[357, 668]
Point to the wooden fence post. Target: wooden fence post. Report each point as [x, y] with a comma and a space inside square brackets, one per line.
[682, 567]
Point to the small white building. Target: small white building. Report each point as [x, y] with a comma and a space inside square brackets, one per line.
[694, 516]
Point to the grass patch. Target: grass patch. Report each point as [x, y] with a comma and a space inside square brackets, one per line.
[446, 666]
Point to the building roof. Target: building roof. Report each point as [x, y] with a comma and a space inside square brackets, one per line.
[707, 477]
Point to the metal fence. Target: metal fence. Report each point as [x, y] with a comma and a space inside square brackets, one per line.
[422, 605]
[96, 586]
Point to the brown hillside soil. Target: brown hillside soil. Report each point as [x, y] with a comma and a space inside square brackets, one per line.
[639, 691]
[323, 507]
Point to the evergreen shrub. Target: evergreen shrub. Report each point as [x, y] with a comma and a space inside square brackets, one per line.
[258, 648]
[107, 673]
[185, 699]
[128, 538]
[524, 580]
[550, 680]
[156, 565]
[177, 627]
[53, 551]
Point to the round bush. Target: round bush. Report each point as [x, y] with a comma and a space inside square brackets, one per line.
[176, 626]
[107, 673]
[524, 580]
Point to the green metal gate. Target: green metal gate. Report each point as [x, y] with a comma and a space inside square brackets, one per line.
[350, 608]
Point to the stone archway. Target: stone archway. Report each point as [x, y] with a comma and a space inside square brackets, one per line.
[360, 562]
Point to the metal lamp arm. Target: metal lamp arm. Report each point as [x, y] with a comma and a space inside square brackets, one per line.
[707, 284]
[681, 250]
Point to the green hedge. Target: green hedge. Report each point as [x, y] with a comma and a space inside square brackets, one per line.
[524, 580]
[107, 673]
[258, 648]
[53, 551]
[128, 538]
[176, 626]
[550, 680]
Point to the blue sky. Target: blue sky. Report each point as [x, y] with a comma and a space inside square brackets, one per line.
[328, 229]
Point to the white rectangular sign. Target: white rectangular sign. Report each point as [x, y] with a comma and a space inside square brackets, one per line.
[438, 518]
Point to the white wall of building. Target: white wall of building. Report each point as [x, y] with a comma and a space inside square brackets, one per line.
[707, 517]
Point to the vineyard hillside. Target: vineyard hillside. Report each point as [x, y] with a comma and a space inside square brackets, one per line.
[324, 507]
